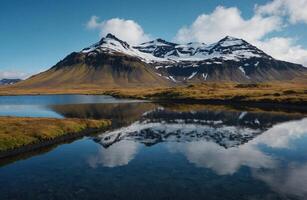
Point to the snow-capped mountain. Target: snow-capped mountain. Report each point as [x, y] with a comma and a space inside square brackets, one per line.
[159, 50]
[230, 59]
[8, 81]
[112, 62]
[111, 44]
[228, 48]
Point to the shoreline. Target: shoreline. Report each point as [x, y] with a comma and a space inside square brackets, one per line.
[210, 93]
[46, 143]
[213, 101]
[262, 103]
[23, 135]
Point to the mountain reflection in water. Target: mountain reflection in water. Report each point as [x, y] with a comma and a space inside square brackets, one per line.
[263, 148]
[223, 141]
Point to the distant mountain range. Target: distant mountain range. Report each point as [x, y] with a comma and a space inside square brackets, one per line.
[7, 81]
[112, 62]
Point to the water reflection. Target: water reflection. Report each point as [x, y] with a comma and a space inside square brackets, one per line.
[28, 111]
[283, 135]
[60, 99]
[119, 113]
[49, 105]
[289, 180]
[206, 150]
[223, 141]
[228, 161]
[225, 128]
[222, 161]
[118, 155]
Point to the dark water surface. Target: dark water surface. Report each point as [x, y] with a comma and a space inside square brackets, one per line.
[161, 151]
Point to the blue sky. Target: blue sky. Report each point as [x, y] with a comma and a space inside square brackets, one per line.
[35, 34]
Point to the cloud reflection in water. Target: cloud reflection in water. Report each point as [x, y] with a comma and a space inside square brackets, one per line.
[116, 155]
[225, 154]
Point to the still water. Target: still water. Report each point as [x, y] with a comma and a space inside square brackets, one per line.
[161, 151]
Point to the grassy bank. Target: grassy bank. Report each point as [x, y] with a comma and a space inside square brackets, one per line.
[225, 92]
[277, 92]
[20, 132]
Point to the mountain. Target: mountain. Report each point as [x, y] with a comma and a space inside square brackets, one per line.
[226, 128]
[109, 63]
[112, 62]
[230, 59]
[7, 81]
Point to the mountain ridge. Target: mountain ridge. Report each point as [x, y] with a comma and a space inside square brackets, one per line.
[112, 62]
[9, 81]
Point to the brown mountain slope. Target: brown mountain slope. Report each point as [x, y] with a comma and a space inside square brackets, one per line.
[101, 71]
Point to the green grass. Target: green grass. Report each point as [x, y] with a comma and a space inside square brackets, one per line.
[17, 132]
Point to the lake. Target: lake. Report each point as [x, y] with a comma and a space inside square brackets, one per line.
[161, 151]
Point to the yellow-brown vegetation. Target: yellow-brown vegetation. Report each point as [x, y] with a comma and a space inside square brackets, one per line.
[290, 93]
[17, 132]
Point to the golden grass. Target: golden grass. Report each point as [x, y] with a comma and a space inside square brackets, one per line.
[16, 132]
[275, 92]
[269, 92]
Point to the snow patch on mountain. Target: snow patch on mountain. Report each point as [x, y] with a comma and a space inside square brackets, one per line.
[243, 71]
[173, 79]
[161, 51]
[111, 44]
[205, 76]
[192, 75]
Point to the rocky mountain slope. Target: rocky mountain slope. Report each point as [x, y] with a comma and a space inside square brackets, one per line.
[112, 62]
[230, 59]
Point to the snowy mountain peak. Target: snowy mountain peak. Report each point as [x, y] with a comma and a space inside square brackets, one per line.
[110, 43]
[161, 41]
[231, 48]
[156, 42]
[113, 39]
[231, 41]
[228, 37]
[159, 50]
[110, 35]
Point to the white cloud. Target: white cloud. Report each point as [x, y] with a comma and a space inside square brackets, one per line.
[13, 74]
[211, 27]
[222, 161]
[295, 11]
[118, 154]
[282, 135]
[289, 180]
[227, 161]
[284, 48]
[223, 21]
[127, 30]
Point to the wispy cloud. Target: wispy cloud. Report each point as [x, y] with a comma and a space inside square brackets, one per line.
[14, 74]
